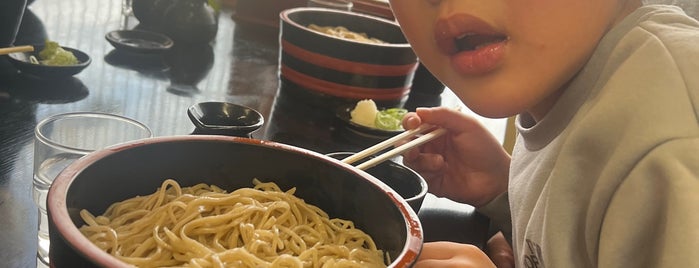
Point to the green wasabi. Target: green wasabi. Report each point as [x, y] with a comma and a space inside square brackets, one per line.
[390, 119]
[55, 55]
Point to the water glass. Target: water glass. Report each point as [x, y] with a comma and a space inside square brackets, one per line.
[61, 139]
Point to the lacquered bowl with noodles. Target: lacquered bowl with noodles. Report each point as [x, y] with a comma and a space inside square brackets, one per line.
[216, 201]
[329, 58]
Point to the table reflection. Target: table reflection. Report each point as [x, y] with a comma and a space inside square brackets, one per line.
[239, 66]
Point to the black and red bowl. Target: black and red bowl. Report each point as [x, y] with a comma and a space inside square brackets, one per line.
[139, 167]
[335, 70]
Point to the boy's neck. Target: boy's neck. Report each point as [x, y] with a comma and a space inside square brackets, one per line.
[542, 108]
[629, 7]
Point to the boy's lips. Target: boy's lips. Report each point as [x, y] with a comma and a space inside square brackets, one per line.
[473, 46]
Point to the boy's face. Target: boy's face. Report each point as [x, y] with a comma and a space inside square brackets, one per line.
[504, 57]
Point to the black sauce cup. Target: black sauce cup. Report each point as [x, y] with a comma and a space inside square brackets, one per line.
[224, 118]
[405, 181]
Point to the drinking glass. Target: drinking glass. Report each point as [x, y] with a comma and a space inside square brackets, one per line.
[61, 139]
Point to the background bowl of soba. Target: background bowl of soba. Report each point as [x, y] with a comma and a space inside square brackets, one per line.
[329, 71]
[138, 168]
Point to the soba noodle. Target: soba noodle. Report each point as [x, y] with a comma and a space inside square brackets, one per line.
[343, 32]
[203, 226]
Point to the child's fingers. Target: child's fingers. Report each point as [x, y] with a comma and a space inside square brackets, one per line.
[450, 119]
[425, 162]
[450, 254]
[411, 121]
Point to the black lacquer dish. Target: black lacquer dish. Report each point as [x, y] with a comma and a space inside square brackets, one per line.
[343, 115]
[22, 61]
[224, 118]
[139, 41]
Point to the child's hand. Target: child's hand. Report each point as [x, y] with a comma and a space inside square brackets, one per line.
[466, 165]
[449, 254]
[500, 252]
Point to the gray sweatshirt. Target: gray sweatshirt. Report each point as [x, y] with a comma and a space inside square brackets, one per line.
[610, 176]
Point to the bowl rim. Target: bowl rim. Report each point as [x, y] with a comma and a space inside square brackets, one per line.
[56, 199]
[284, 17]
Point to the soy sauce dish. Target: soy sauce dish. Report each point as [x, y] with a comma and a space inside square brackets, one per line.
[407, 182]
[224, 118]
[22, 62]
[139, 41]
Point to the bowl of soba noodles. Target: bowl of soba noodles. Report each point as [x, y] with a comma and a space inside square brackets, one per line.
[221, 201]
[331, 57]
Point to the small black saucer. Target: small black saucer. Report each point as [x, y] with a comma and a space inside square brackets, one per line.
[139, 41]
[224, 118]
[409, 184]
[343, 114]
[21, 61]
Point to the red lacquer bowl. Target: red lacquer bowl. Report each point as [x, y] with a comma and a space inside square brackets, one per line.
[138, 168]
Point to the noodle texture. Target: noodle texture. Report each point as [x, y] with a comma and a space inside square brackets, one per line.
[343, 32]
[204, 226]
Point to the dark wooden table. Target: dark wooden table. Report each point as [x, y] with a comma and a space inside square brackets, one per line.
[239, 66]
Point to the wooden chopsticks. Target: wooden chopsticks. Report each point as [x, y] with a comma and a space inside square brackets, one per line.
[8, 50]
[431, 133]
